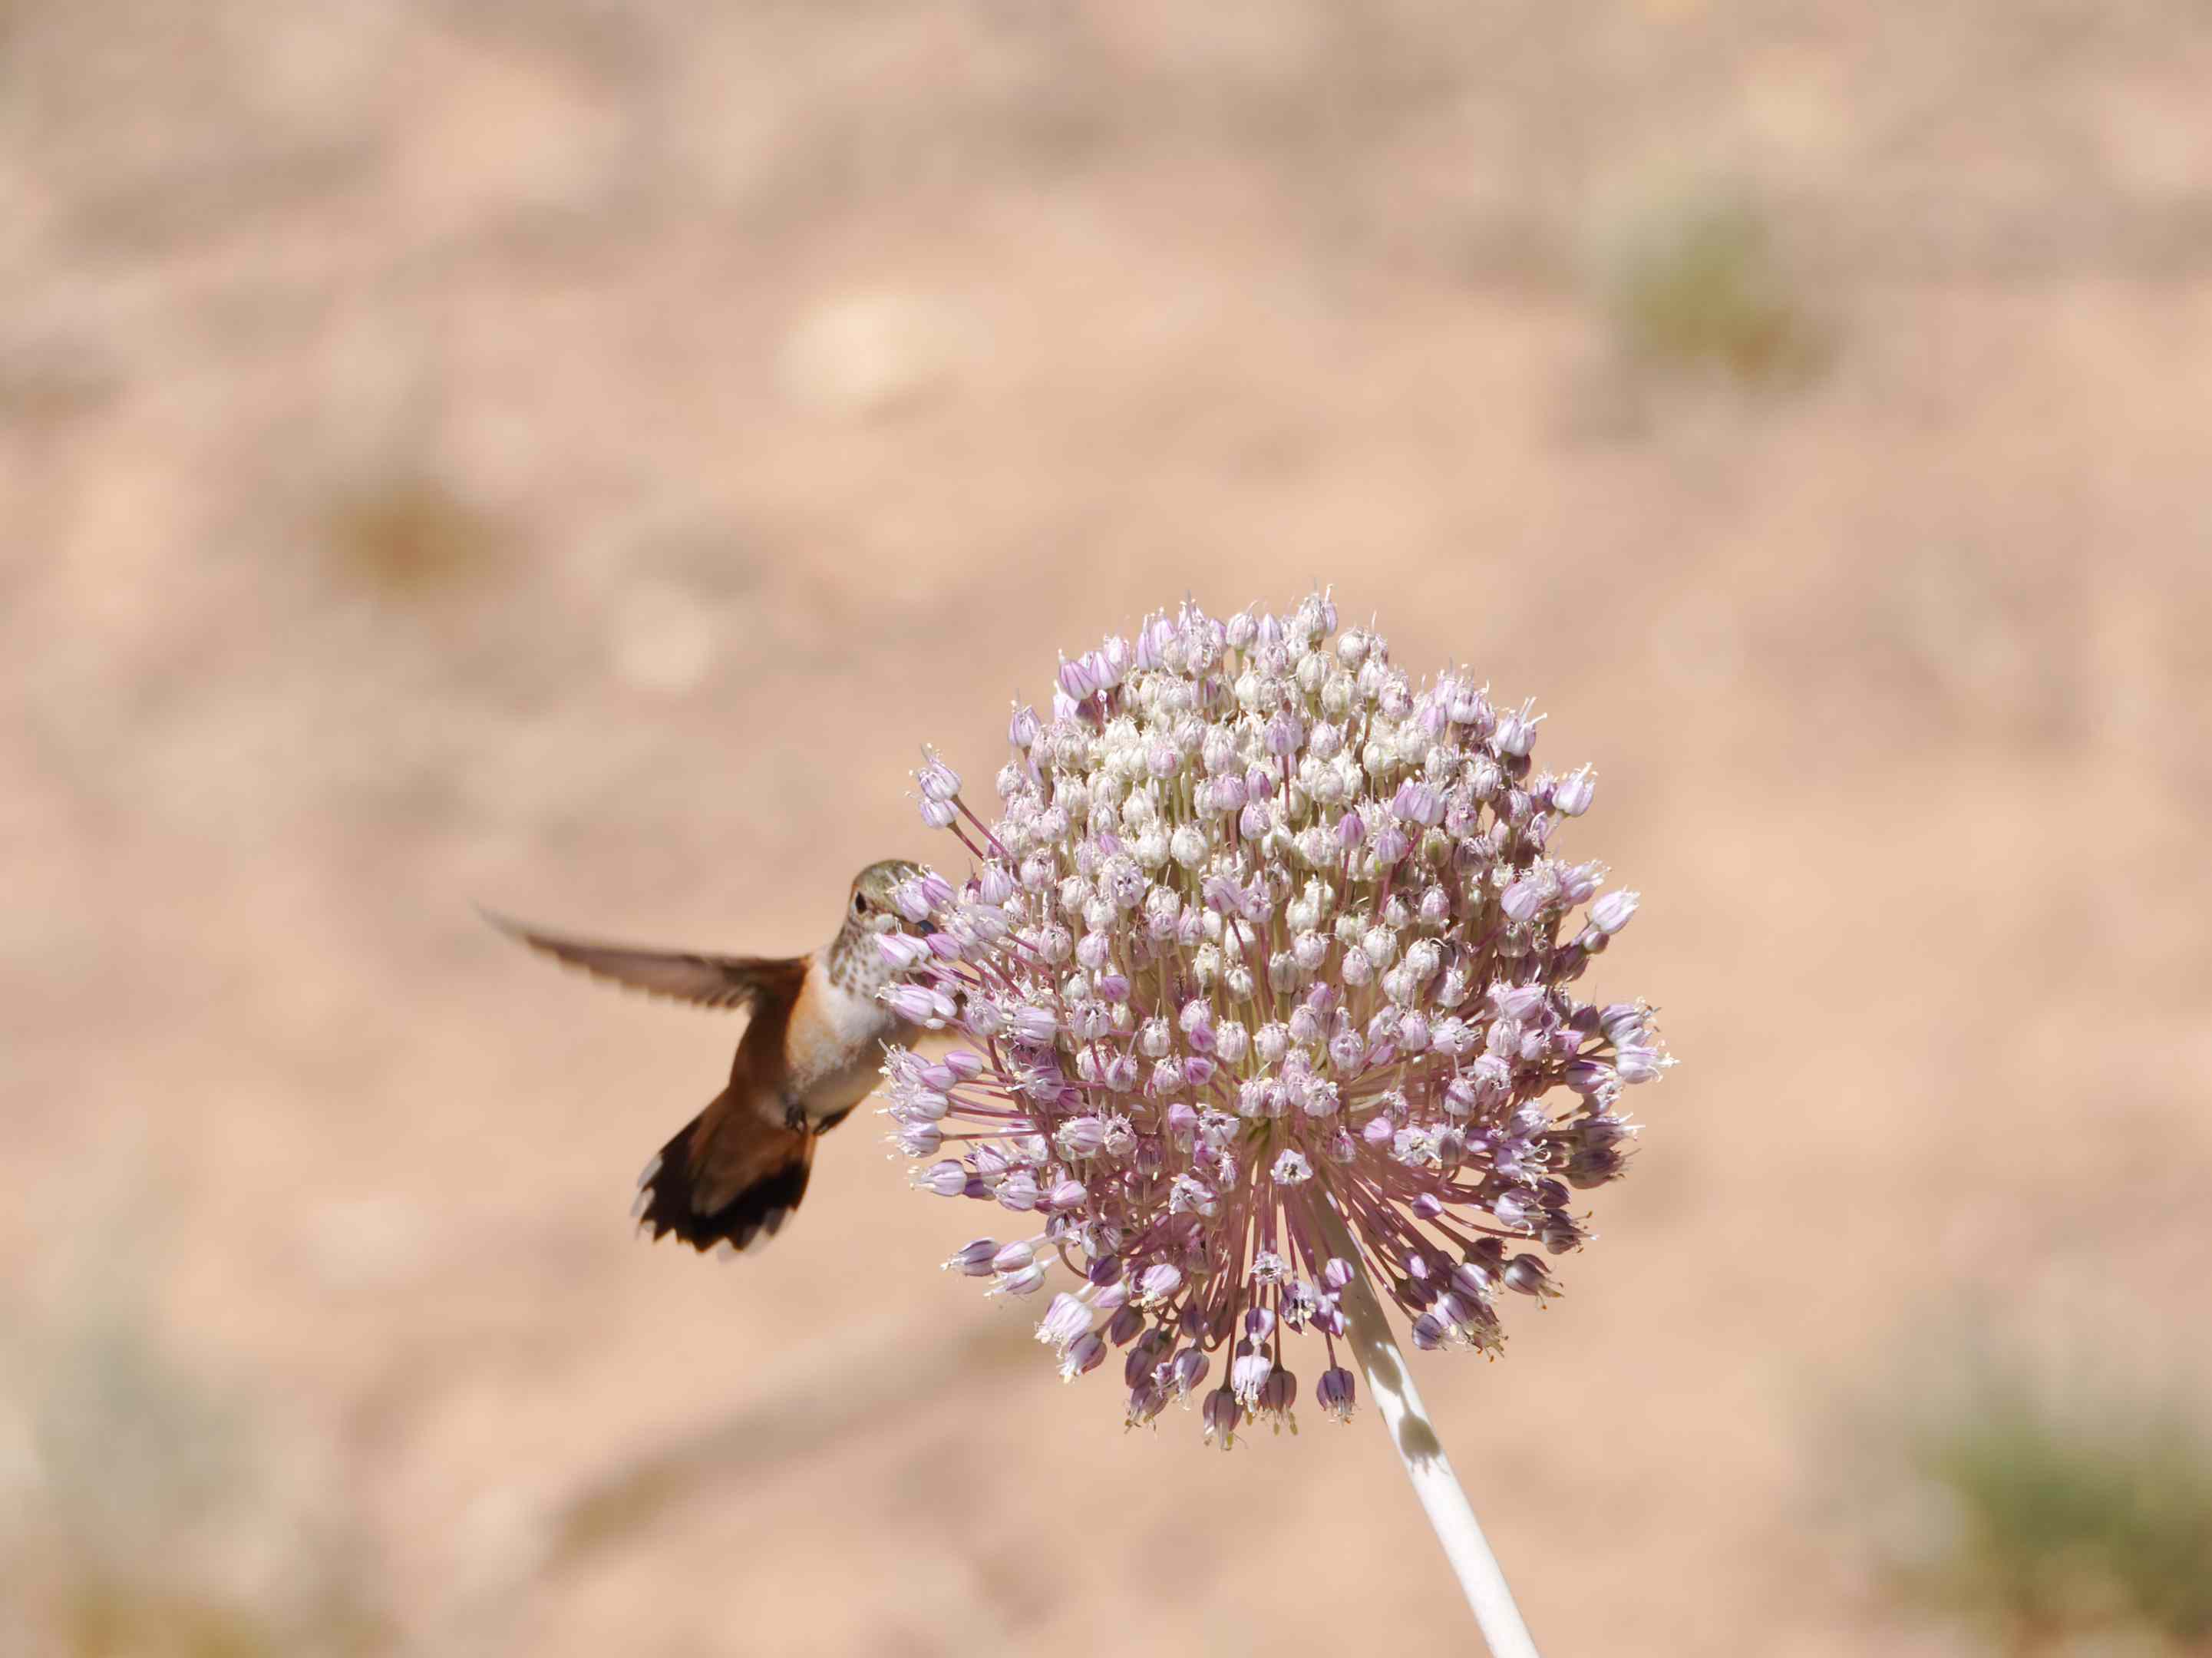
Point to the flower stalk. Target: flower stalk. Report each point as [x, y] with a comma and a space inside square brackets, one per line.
[1414, 1437]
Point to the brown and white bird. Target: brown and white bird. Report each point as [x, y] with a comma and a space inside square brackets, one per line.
[731, 1176]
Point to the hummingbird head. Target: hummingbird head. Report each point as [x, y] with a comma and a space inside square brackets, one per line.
[869, 910]
[855, 963]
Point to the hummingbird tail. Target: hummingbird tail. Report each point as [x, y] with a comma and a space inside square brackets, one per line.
[727, 1181]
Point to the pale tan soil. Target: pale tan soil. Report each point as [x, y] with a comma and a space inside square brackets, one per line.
[761, 394]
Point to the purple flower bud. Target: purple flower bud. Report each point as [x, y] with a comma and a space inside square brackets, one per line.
[912, 1002]
[973, 1260]
[1084, 1353]
[1248, 1372]
[1336, 1272]
[1022, 728]
[1588, 1078]
[1529, 1275]
[1066, 1195]
[1428, 1333]
[1638, 1065]
[1186, 1370]
[1033, 1024]
[902, 949]
[1221, 1414]
[1389, 844]
[1026, 1282]
[1065, 1319]
[1334, 1392]
[1123, 1328]
[1594, 1165]
[938, 780]
[1419, 803]
[1472, 1280]
[1517, 732]
[1158, 1283]
[1571, 795]
[1156, 640]
[1082, 1136]
[1528, 894]
[1514, 1208]
[1111, 661]
[1610, 912]
[946, 1178]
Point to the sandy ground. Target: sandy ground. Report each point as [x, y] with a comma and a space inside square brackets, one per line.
[569, 457]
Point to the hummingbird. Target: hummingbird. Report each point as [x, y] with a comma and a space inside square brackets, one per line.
[731, 1177]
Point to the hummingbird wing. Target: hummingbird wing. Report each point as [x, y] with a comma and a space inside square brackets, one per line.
[735, 982]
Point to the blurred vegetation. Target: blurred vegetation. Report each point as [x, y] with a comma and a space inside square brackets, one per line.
[2061, 1520]
[1698, 286]
[147, 1517]
[409, 536]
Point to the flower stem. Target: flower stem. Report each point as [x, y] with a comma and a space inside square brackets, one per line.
[1423, 1454]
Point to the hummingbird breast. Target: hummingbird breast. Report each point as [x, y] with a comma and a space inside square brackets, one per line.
[833, 1048]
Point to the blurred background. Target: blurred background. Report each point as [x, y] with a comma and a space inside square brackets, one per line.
[568, 455]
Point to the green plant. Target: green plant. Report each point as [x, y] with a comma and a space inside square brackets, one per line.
[1700, 287]
[2066, 1519]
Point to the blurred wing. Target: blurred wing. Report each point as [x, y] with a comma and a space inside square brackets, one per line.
[736, 982]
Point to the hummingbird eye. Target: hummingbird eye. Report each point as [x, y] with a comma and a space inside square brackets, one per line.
[860, 903]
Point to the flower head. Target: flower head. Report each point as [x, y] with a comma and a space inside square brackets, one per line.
[1263, 925]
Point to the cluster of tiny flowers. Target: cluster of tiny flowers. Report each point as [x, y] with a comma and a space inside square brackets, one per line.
[1262, 925]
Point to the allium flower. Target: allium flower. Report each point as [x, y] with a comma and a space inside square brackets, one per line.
[1264, 925]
